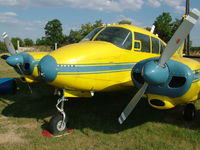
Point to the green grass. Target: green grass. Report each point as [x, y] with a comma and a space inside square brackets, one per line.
[24, 116]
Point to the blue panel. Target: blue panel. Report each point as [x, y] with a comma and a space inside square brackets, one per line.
[6, 85]
[94, 68]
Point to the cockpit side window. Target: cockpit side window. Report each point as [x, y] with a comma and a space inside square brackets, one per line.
[155, 45]
[90, 36]
[118, 36]
[162, 47]
[145, 42]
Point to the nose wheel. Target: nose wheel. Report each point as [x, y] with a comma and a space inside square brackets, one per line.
[58, 122]
[189, 112]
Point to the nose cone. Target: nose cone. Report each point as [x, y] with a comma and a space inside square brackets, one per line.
[48, 68]
[154, 74]
[14, 60]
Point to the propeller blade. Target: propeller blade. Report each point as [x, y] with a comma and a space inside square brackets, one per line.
[132, 104]
[179, 36]
[8, 43]
[29, 87]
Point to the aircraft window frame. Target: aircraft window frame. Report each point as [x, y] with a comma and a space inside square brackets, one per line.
[145, 42]
[139, 43]
[125, 42]
[153, 39]
[90, 36]
[162, 46]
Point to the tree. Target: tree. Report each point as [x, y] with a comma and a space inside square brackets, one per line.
[14, 42]
[148, 28]
[2, 47]
[53, 32]
[41, 41]
[163, 26]
[86, 28]
[175, 25]
[125, 22]
[76, 36]
[98, 23]
[28, 42]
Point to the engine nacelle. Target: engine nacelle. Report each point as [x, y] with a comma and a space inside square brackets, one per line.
[179, 81]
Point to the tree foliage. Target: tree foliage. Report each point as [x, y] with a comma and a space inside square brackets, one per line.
[53, 33]
[125, 22]
[2, 47]
[163, 26]
[14, 42]
[28, 42]
[77, 35]
[41, 41]
[175, 25]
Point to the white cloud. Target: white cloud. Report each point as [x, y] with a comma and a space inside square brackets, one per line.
[11, 19]
[180, 9]
[15, 3]
[9, 22]
[178, 5]
[133, 21]
[101, 5]
[154, 3]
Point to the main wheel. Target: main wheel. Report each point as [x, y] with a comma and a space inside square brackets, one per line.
[57, 125]
[189, 112]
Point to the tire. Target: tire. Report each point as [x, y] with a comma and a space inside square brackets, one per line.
[55, 124]
[189, 112]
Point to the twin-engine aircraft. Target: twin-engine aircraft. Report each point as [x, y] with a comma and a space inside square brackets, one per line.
[116, 57]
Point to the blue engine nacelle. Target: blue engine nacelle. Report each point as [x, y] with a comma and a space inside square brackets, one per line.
[172, 80]
[24, 60]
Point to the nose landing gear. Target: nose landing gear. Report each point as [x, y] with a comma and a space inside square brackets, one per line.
[58, 122]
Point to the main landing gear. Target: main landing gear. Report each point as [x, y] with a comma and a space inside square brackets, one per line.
[58, 122]
[189, 112]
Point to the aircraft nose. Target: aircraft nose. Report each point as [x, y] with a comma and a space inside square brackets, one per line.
[47, 68]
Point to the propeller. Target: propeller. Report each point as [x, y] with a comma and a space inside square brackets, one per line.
[11, 50]
[8, 43]
[152, 69]
[14, 60]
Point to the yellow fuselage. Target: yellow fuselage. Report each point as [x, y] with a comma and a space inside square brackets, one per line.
[94, 66]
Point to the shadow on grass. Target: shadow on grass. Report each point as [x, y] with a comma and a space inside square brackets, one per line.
[99, 113]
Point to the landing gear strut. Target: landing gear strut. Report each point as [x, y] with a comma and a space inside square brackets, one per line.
[58, 123]
[189, 112]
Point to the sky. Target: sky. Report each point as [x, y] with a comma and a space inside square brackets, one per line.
[27, 18]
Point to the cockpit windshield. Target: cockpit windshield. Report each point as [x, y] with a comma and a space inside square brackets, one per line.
[90, 36]
[120, 37]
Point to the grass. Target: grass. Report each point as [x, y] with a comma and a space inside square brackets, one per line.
[24, 116]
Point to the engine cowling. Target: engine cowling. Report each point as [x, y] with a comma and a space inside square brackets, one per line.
[172, 81]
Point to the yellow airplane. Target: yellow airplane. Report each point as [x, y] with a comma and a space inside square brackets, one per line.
[112, 58]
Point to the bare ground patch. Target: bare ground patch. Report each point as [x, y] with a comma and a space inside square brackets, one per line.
[8, 133]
